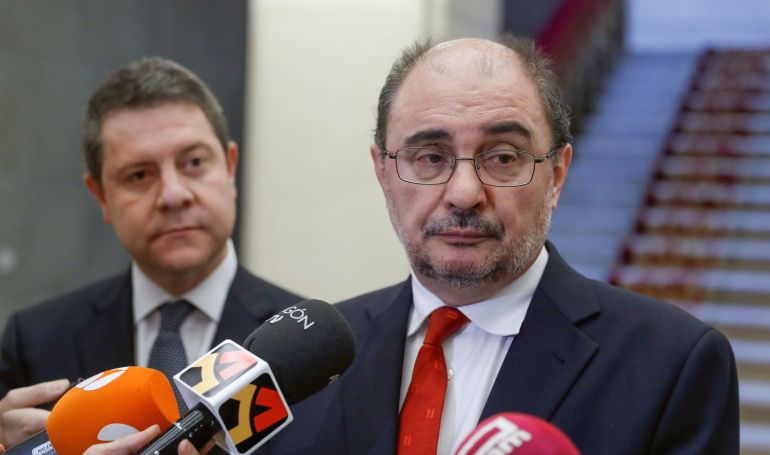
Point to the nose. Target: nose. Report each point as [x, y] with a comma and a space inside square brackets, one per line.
[464, 190]
[174, 192]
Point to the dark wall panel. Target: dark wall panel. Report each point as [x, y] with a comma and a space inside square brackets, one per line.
[525, 17]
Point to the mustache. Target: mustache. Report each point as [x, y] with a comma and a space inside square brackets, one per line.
[436, 226]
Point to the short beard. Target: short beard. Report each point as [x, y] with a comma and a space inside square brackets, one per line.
[510, 260]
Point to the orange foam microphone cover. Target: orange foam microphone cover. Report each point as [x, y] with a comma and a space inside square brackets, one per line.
[110, 405]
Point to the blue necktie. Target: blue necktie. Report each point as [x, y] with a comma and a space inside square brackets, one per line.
[168, 354]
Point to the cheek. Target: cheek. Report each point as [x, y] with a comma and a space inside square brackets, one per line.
[517, 211]
[220, 204]
[415, 204]
[130, 212]
[126, 219]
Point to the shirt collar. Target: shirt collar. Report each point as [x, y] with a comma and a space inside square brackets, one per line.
[208, 296]
[501, 315]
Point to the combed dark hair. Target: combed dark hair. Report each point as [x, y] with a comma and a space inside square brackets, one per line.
[144, 83]
[536, 63]
[398, 72]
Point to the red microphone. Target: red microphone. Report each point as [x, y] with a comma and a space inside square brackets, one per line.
[518, 434]
[110, 405]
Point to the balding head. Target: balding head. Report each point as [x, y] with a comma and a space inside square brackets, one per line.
[486, 58]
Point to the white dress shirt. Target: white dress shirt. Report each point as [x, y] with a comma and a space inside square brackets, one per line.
[200, 326]
[475, 354]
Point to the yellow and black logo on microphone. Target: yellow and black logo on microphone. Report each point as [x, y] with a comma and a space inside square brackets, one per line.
[218, 369]
[254, 413]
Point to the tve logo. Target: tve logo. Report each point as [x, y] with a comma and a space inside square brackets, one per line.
[254, 413]
[499, 435]
[517, 434]
[217, 369]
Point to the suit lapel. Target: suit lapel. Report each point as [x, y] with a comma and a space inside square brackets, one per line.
[542, 363]
[246, 307]
[550, 352]
[107, 340]
[371, 406]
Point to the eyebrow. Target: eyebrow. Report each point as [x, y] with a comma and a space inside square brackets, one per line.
[508, 127]
[436, 134]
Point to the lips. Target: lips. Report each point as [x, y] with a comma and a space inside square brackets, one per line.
[181, 229]
[462, 236]
[176, 231]
[463, 228]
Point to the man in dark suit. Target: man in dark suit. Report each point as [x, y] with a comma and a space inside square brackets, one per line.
[162, 169]
[472, 148]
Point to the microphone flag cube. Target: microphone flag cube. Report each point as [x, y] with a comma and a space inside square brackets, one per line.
[240, 391]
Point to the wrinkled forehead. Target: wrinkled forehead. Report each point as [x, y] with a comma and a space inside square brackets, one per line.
[474, 64]
[472, 77]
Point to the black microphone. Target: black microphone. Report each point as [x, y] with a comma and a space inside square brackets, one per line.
[302, 349]
[38, 444]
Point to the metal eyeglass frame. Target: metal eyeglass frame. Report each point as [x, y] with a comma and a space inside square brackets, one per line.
[535, 160]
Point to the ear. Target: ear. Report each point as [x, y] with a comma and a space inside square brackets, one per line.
[96, 189]
[231, 162]
[379, 164]
[560, 173]
[231, 155]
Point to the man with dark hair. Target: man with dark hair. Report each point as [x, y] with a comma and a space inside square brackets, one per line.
[162, 168]
[472, 149]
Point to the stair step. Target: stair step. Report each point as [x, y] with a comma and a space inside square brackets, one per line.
[755, 414]
[756, 393]
[754, 439]
[728, 313]
[737, 196]
[736, 60]
[755, 371]
[698, 252]
[680, 283]
[724, 80]
[712, 143]
[727, 100]
[755, 401]
[715, 169]
[704, 222]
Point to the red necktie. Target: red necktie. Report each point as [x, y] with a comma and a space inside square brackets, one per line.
[421, 414]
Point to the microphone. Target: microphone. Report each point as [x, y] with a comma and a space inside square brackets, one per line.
[519, 434]
[302, 349]
[103, 408]
[38, 444]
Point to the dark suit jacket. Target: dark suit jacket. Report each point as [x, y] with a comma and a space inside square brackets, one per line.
[619, 373]
[91, 329]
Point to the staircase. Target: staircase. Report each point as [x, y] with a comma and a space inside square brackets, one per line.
[694, 202]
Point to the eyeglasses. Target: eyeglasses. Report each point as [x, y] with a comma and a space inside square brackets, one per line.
[434, 166]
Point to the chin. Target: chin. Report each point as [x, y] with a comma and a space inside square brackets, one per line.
[183, 261]
[462, 256]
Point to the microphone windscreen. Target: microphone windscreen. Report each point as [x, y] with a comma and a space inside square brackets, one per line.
[307, 345]
[110, 405]
[519, 434]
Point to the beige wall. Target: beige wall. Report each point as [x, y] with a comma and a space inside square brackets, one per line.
[314, 218]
